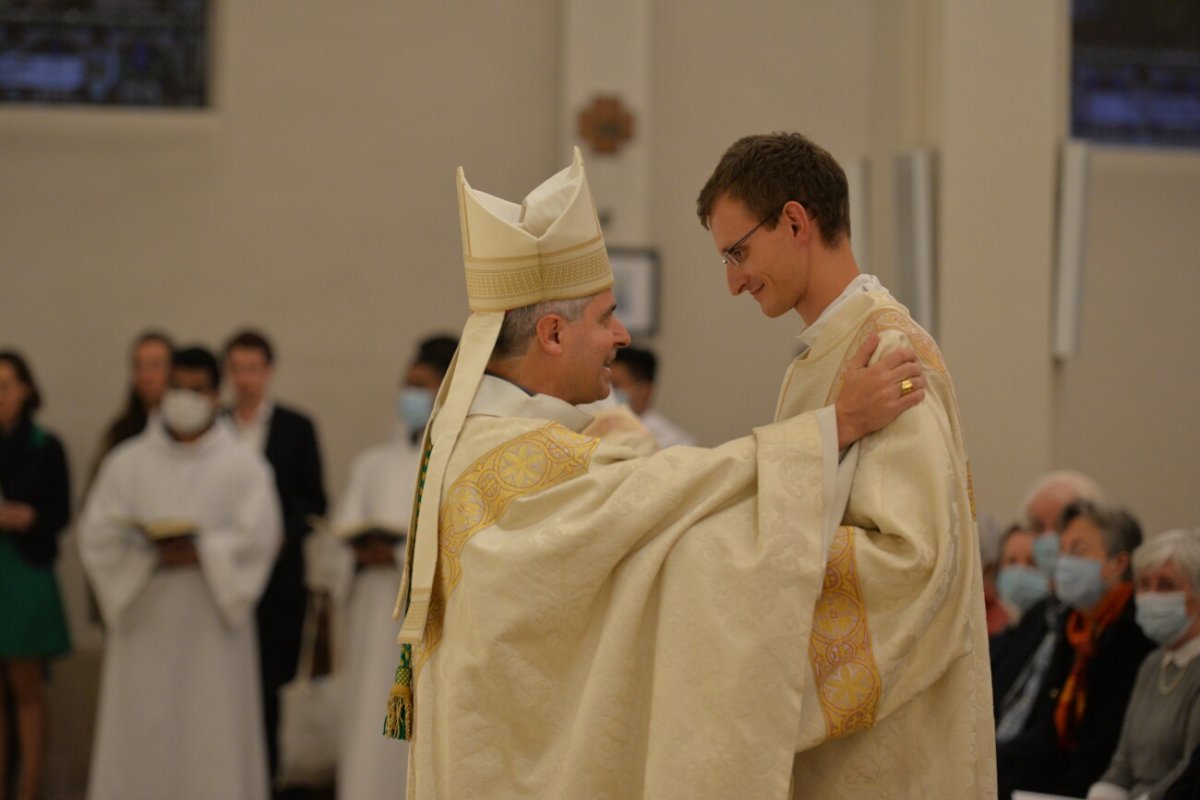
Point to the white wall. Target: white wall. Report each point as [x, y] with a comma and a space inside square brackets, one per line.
[1125, 406]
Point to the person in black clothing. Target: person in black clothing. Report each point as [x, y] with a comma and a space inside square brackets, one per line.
[1063, 682]
[35, 505]
[289, 440]
[149, 374]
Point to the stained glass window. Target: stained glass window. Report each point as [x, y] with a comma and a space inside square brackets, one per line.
[1135, 71]
[104, 52]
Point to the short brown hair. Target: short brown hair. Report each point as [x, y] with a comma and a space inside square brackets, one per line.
[766, 171]
[251, 339]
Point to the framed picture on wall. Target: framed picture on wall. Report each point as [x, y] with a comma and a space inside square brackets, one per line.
[635, 273]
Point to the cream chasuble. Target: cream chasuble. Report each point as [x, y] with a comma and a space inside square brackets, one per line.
[180, 712]
[605, 625]
[898, 700]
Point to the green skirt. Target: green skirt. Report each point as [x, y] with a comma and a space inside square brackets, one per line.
[32, 623]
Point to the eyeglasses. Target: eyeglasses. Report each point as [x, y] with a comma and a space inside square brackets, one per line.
[730, 256]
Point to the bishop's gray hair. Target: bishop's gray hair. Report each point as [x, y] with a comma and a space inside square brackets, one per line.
[520, 324]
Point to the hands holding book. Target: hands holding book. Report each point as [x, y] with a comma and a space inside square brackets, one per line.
[373, 541]
[374, 550]
[175, 541]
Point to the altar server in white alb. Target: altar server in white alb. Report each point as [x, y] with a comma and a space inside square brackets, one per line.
[178, 537]
[362, 571]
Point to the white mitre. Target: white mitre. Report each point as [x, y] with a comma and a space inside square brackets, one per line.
[549, 247]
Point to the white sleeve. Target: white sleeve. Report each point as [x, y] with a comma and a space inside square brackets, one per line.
[236, 559]
[118, 558]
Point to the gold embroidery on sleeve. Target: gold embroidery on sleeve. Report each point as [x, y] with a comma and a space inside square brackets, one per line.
[526, 465]
[848, 683]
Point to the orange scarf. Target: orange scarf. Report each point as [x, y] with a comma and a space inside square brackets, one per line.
[1083, 631]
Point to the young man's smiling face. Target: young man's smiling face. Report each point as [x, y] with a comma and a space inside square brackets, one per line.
[771, 264]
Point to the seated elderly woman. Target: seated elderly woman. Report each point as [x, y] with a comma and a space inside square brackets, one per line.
[1162, 722]
[1019, 581]
[1058, 720]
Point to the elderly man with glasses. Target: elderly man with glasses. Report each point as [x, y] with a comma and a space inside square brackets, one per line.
[896, 689]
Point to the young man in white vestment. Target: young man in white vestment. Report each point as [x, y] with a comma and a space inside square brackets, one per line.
[359, 565]
[579, 620]
[178, 538]
[897, 686]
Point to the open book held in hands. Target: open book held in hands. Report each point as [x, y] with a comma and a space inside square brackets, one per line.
[159, 530]
[360, 531]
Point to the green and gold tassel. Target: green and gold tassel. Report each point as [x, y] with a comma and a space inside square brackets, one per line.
[399, 721]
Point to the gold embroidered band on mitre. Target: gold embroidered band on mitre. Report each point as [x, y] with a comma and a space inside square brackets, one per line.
[500, 284]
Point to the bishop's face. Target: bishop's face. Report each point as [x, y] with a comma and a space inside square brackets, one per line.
[590, 344]
[772, 266]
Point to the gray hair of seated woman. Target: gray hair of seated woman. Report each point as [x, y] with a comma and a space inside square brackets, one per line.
[1182, 547]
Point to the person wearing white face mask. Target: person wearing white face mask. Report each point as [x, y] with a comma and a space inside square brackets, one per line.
[360, 567]
[178, 537]
[1061, 719]
[1162, 723]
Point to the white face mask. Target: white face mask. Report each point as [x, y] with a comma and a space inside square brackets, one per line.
[186, 412]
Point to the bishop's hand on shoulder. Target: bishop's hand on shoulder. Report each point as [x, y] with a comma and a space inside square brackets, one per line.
[875, 394]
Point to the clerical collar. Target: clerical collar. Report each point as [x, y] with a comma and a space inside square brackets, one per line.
[1184, 655]
[497, 397]
[860, 285]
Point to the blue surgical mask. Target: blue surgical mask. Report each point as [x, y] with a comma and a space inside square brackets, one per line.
[414, 404]
[1077, 581]
[620, 397]
[1045, 551]
[1163, 616]
[1022, 586]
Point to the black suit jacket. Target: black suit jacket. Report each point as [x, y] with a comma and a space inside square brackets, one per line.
[295, 457]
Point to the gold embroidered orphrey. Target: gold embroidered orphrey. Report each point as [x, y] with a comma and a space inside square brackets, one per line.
[847, 677]
[525, 465]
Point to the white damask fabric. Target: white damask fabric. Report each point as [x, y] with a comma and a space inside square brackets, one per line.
[606, 625]
[898, 704]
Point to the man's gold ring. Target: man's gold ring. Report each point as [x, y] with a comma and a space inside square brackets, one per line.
[906, 386]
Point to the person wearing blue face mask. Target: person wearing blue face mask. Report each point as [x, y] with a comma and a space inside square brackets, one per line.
[1162, 723]
[1058, 726]
[414, 402]
[359, 566]
[1044, 505]
[634, 371]
[1020, 583]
